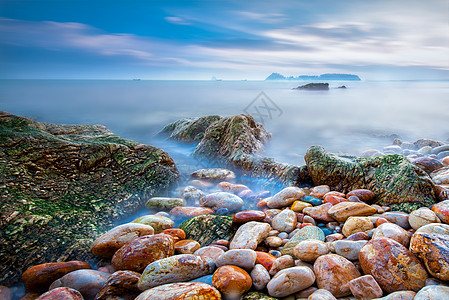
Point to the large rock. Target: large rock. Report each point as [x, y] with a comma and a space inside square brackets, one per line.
[188, 130]
[395, 181]
[207, 229]
[63, 185]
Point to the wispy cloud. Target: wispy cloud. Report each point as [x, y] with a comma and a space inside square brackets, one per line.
[177, 20]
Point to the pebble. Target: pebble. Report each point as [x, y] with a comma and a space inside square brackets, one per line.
[342, 211]
[231, 281]
[433, 292]
[441, 209]
[222, 200]
[305, 293]
[260, 277]
[421, 217]
[440, 149]
[243, 258]
[365, 287]
[189, 212]
[201, 184]
[181, 290]
[333, 199]
[333, 273]
[159, 223]
[306, 233]
[349, 249]
[280, 263]
[249, 235]
[362, 194]
[186, 246]
[164, 202]
[273, 241]
[400, 295]
[62, 293]
[137, 254]
[285, 221]
[392, 265]
[446, 161]
[434, 228]
[211, 252]
[283, 235]
[319, 212]
[310, 250]
[394, 232]
[358, 236]
[356, 224]
[265, 259]
[321, 294]
[286, 197]
[5, 293]
[441, 176]
[177, 268]
[298, 206]
[176, 233]
[428, 164]
[334, 237]
[120, 285]
[290, 281]
[248, 216]
[213, 174]
[309, 220]
[312, 200]
[191, 194]
[319, 191]
[275, 253]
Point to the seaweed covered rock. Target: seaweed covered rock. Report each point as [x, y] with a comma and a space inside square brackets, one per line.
[188, 130]
[207, 229]
[395, 181]
[62, 186]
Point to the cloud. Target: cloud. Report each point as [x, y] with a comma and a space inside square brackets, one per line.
[177, 21]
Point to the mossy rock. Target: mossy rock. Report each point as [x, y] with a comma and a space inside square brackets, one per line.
[189, 129]
[206, 229]
[61, 186]
[257, 296]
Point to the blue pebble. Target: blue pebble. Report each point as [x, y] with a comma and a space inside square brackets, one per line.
[326, 231]
[312, 200]
[205, 279]
[222, 211]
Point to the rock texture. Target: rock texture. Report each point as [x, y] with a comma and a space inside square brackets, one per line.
[207, 229]
[69, 181]
[189, 129]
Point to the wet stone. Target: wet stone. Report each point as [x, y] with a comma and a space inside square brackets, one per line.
[319, 212]
[213, 174]
[312, 200]
[207, 229]
[273, 241]
[164, 202]
[265, 259]
[290, 281]
[176, 233]
[394, 232]
[285, 221]
[310, 250]
[319, 191]
[342, 211]
[191, 194]
[159, 223]
[321, 294]
[249, 235]
[286, 197]
[365, 287]
[421, 217]
[222, 200]
[399, 218]
[211, 252]
[306, 233]
[62, 293]
[260, 277]
[189, 212]
[442, 211]
[283, 262]
[186, 246]
[433, 292]
[181, 290]
[231, 281]
[363, 194]
[121, 284]
[248, 216]
[349, 249]
[243, 258]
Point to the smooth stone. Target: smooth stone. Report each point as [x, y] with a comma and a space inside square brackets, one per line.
[310, 250]
[342, 211]
[204, 279]
[159, 223]
[428, 164]
[312, 200]
[400, 295]
[6, 293]
[394, 232]
[137, 254]
[285, 221]
[349, 249]
[433, 250]
[445, 161]
[365, 287]
[210, 252]
[434, 228]
[307, 233]
[87, 282]
[213, 174]
[231, 281]
[189, 212]
[249, 235]
[393, 266]
[177, 268]
[290, 281]
[260, 277]
[186, 246]
[222, 200]
[441, 209]
[305, 293]
[362, 194]
[222, 212]
[265, 259]
[397, 217]
[358, 236]
[356, 224]
[181, 290]
[433, 292]
[441, 148]
[243, 258]
[319, 191]
[333, 273]
[319, 212]
[334, 237]
[120, 285]
[280, 263]
[298, 206]
[38, 278]
[273, 241]
[321, 294]
[257, 296]
[201, 184]
[176, 233]
[248, 216]
[333, 199]
[422, 216]
[62, 293]
[164, 202]
[191, 194]
[286, 197]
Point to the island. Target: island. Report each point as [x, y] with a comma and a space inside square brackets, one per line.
[327, 76]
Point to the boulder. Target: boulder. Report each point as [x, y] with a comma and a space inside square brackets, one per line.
[188, 130]
[207, 229]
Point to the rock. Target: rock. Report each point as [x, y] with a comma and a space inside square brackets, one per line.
[208, 229]
[349, 249]
[189, 212]
[273, 241]
[433, 292]
[310, 250]
[441, 176]
[319, 191]
[397, 217]
[137, 254]
[188, 130]
[177, 268]
[433, 250]
[181, 290]
[365, 287]
[211, 252]
[222, 200]
[306, 233]
[307, 292]
[312, 200]
[186, 246]
[191, 194]
[62, 293]
[159, 223]
[285, 221]
[40, 162]
[248, 216]
[362, 194]
[285, 197]
[290, 281]
[428, 164]
[421, 217]
[108, 243]
[401, 295]
[392, 265]
[392, 178]
[213, 174]
[342, 211]
[434, 228]
[333, 199]
[321, 294]
[357, 224]
[281, 263]
[394, 232]
[257, 296]
[260, 277]
[39, 278]
[231, 281]
[6, 294]
[265, 259]
[333, 273]
[313, 86]
[427, 142]
[120, 285]
[176, 233]
[298, 206]
[87, 282]
[164, 202]
[441, 209]
[319, 212]
[243, 258]
[446, 161]
[249, 235]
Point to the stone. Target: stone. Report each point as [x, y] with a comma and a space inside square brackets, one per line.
[188, 130]
[307, 233]
[285, 197]
[176, 233]
[265, 259]
[6, 294]
[298, 206]
[177, 268]
[333, 199]
[427, 142]
[273, 241]
[186, 246]
[243, 258]
[164, 203]
[181, 290]
[398, 218]
[394, 232]
[137, 254]
[231, 281]
[189, 212]
[290, 281]
[349, 249]
[395, 181]
[321, 294]
[249, 235]
[365, 287]
[285, 221]
[257, 296]
[121, 285]
[363, 194]
[433, 250]
[319, 212]
[310, 250]
[222, 200]
[334, 237]
[393, 266]
[428, 164]
[400, 295]
[319, 191]
[421, 217]
[280, 263]
[211, 252]
[260, 277]
[433, 292]
[159, 223]
[213, 174]
[434, 228]
[62, 293]
[445, 161]
[333, 273]
[248, 216]
[441, 209]
[342, 211]
[38, 278]
[357, 224]
[441, 176]
[358, 236]
[108, 243]
[191, 194]
[306, 292]
[312, 200]
[87, 282]
[207, 229]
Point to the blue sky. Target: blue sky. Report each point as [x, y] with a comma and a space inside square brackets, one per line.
[379, 39]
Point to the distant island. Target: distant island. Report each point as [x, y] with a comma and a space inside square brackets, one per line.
[329, 76]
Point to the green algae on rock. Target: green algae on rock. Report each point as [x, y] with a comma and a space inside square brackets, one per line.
[206, 229]
[188, 130]
[257, 296]
[61, 186]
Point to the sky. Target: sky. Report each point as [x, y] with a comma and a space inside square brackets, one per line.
[231, 40]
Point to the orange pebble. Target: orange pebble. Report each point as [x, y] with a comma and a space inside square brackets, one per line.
[380, 221]
[176, 233]
[305, 224]
[332, 199]
[262, 203]
[265, 259]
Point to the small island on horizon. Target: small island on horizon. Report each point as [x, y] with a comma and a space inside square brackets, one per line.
[327, 76]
